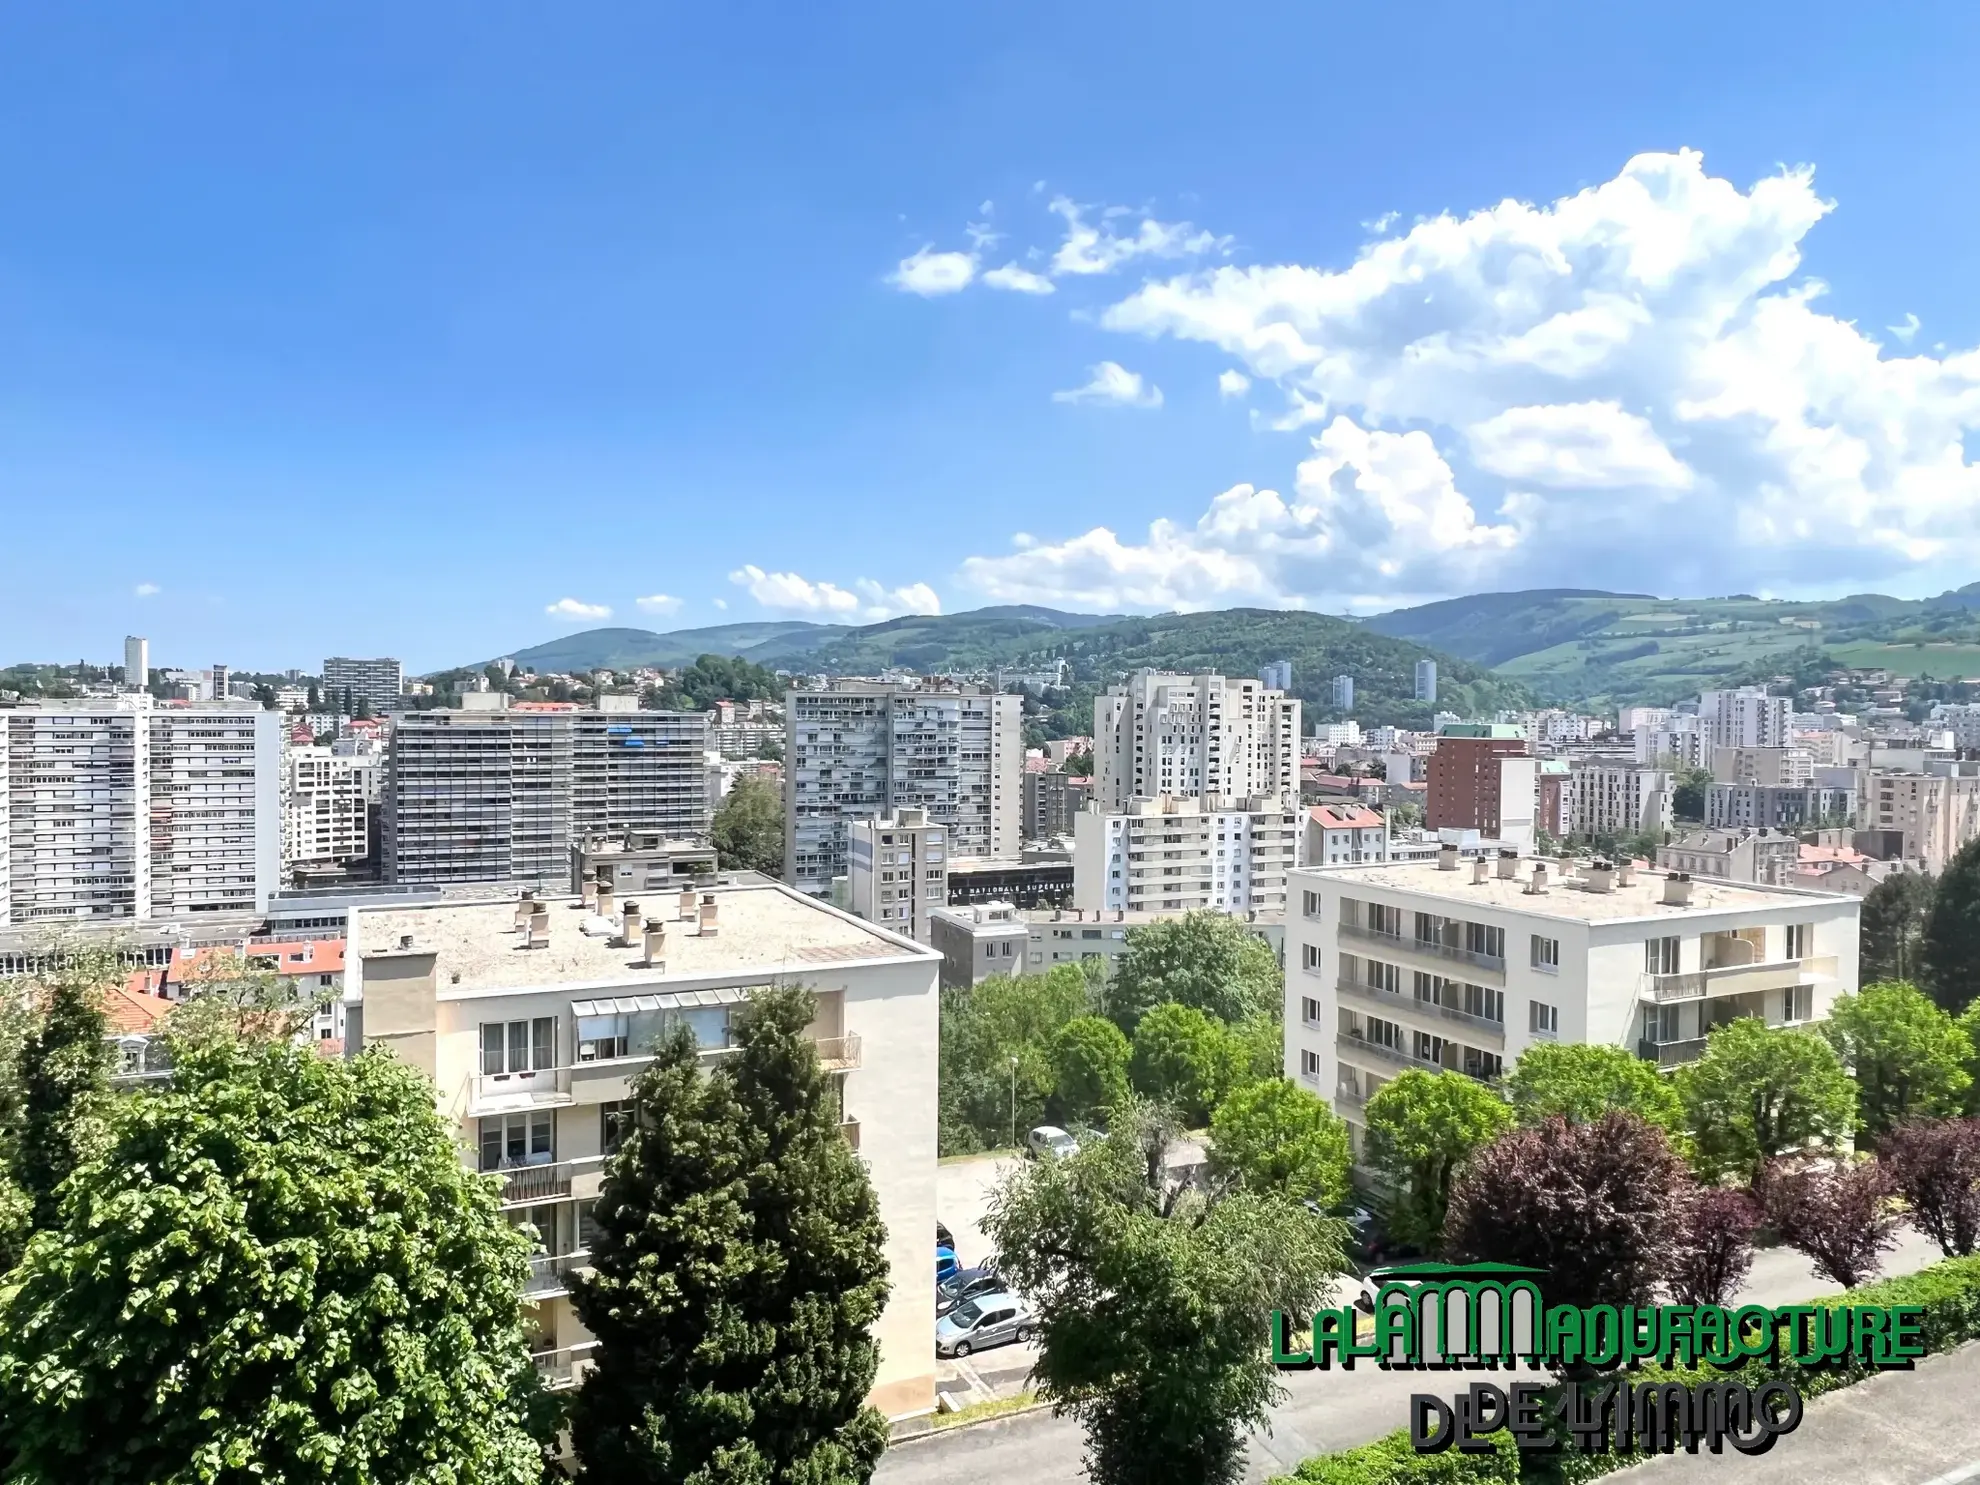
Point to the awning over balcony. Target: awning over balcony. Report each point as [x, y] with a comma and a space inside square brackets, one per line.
[678, 1000]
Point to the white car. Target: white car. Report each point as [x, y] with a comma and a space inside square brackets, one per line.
[1049, 1142]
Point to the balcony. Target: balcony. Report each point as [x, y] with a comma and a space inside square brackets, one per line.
[1671, 1054]
[1390, 1002]
[565, 1367]
[525, 1185]
[1428, 950]
[1738, 979]
[1362, 1048]
[1352, 1104]
[549, 1273]
[849, 1128]
[530, 1088]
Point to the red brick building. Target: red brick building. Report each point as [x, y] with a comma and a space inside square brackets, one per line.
[1465, 778]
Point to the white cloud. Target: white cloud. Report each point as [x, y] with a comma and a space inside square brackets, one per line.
[929, 273]
[1232, 384]
[864, 602]
[659, 603]
[146, 590]
[1019, 280]
[722, 604]
[1635, 373]
[571, 609]
[1113, 383]
[1907, 330]
[1094, 247]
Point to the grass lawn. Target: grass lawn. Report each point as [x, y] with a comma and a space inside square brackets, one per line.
[1936, 662]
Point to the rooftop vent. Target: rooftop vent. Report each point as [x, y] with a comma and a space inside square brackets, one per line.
[1481, 871]
[605, 903]
[1625, 873]
[539, 929]
[688, 899]
[1601, 877]
[405, 940]
[631, 933]
[1447, 858]
[524, 908]
[1539, 882]
[1677, 889]
[656, 944]
[1508, 865]
[708, 924]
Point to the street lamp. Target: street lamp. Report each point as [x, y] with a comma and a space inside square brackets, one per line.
[1014, 1102]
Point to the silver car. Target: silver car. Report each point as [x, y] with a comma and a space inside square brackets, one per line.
[987, 1320]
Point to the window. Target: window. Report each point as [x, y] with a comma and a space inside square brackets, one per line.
[1546, 955]
[1309, 957]
[1660, 1023]
[510, 1140]
[1385, 1033]
[1485, 1003]
[1543, 1019]
[1312, 904]
[1429, 928]
[1429, 988]
[1800, 940]
[1797, 1002]
[1486, 940]
[509, 1047]
[1309, 1010]
[1485, 1065]
[1384, 977]
[1309, 1063]
[1428, 1048]
[601, 1038]
[1385, 919]
[615, 1121]
[1660, 956]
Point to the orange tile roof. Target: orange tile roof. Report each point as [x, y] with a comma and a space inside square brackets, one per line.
[130, 1010]
[1345, 816]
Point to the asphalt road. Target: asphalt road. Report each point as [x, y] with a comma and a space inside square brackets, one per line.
[1321, 1411]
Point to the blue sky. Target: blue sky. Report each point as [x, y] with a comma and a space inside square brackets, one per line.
[368, 329]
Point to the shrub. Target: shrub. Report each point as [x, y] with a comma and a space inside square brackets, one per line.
[1714, 1249]
[1935, 1167]
[1839, 1216]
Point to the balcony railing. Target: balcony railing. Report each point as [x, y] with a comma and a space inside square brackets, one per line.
[1390, 1000]
[1671, 1054]
[1354, 1103]
[1432, 948]
[549, 1273]
[1361, 1047]
[547, 1087]
[524, 1184]
[564, 1367]
[1737, 979]
[850, 1129]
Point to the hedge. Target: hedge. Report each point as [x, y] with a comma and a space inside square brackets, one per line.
[1947, 1292]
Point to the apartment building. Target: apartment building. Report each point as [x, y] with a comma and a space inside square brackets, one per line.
[898, 871]
[1618, 799]
[978, 940]
[1344, 693]
[330, 800]
[861, 749]
[1051, 800]
[1451, 966]
[1680, 742]
[1768, 857]
[1934, 814]
[496, 792]
[535, 1019]
[137, 662]
[1746, 718]
[1343, 834]
[639, 861]
[1765, 807]
[121, 809]
[1276, 675]
[1482, 777]
[1785, 768]
[377, 683]
[1426, 680]
[1172, 855]
[1202, 736]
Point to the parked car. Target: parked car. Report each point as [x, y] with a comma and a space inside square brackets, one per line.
[967, 1284]
[946, 1265]
[988, 1320]
[1049, 1142]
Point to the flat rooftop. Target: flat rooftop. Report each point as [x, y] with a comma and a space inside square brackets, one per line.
[765, 929]
[1568, 896]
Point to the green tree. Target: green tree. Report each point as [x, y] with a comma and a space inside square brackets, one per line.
[713, 678]
[996, 1069]
[1688, 793]
[738, 1269]
[1089, 1069]
[1080, 765]
[1893, 927]
[275, 1269]
[748, 831]
[1951, 946]
[315, 701]
[1152, 1301]
[1581, 1082]
[64, 1074]
[1184, 1059]
[1907, 1055]
[1969, 1023]
[1422, 1127]
[1760, 1092]
[1274, 1136]
[1207, 961]
[16, 1208]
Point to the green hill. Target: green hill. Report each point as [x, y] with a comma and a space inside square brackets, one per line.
[926, 642]
[627, 649]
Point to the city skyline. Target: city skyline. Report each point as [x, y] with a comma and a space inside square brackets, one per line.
[538, 358]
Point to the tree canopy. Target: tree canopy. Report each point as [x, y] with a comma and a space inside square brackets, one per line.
[277, 1262]
[1760, 1092]
[1934, 1164]
[1274, 1136]
[1152, 1301]
[1089, 1068]
[1186, 1060]
[64, 1074]
[748, 829]
[998, 1059]
[1908, 1056]
[1207, 961]
[1422, 1127]
[738, 1266]
[1581, 1082]
[1951, 941]
[1892, 927]
[713, 678]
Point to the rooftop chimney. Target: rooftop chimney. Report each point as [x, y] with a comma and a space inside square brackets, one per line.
[1677, 889]
[631, 933]
[708, 928]
[1539, 882]
[1508, 865]
[656, 943]
[539, 929]
[525, 906]
[605, 903]
[588, 891]
[1481, 871]
[1625, 873]
[1601, 876]
[688, 900]
[1447, 858]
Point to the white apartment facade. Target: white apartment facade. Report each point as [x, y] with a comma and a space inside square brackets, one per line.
[535, 1030]
[117, 809]
[857, 750]
[1175, 855]
[1202, 736]
[1343, 834]
[1461, 967]
[377, 683]
[981, 939]
[1746, 718]
[328, 796]
[1618, 799]
[898, 871]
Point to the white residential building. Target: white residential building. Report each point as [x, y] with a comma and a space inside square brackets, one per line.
[1781, 767]
[1746, 718]
[1451, 966]
[1343, 834]
[1343, 693]
[1174, 855]
[377, 683]
[1681, 743]
[1202, 736]
[118, 808]
[329, 796]
[1618, 799]
[898, 871]
[1426, 680]
[862, 749]
[981, 939]
[534, 1025]
[137, 662]
[1276, 676]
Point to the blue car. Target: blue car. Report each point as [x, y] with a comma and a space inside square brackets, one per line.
[945, 1264]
